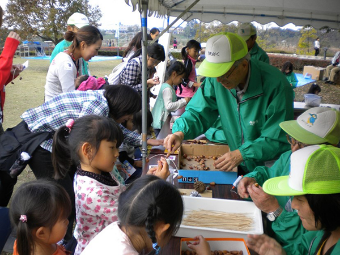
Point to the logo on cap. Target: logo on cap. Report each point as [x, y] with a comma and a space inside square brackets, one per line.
[212, 53]
[312, 118]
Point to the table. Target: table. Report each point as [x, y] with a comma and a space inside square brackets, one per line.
[218, 191]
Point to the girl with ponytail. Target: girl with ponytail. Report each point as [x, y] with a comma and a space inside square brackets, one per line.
[39, 211]
[67, 65]
[92, 143]
[190, 54]
[150, 211]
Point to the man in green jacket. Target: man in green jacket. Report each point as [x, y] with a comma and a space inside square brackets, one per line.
[251, 97]
[74, 22]
[317, 125]
[248, 32]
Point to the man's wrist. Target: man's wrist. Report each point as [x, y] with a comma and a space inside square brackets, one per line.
[180, 134]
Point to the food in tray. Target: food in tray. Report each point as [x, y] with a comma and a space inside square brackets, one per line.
[220, 220]
[216, 252]
[198, 162]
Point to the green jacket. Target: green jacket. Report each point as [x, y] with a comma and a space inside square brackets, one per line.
[259, 54]
[63, 45]
[288, 226]
[309, 244]
[159, 112]
[252, 125]
[292, 79]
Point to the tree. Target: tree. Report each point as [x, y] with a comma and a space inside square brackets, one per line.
[46, 18]
[308, 35]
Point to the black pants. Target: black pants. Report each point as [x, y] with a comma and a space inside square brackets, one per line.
[6, 188]
[317, 51]
[41, 165]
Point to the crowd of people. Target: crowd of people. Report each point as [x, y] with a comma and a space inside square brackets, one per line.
[85, 127]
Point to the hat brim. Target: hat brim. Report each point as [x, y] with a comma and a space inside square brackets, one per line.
[80, 25]
[278, 186]
[209, 69]
[293, 129]
[245, 37]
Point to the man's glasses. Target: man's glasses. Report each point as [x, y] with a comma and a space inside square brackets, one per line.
[226, 76]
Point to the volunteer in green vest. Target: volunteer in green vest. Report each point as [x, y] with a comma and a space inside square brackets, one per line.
[74, 23]
[319, 125]
[248, 32]
[251, 97]
[314, 181]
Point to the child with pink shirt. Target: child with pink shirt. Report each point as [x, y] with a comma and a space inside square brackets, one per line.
[189, 85]
[92, 142]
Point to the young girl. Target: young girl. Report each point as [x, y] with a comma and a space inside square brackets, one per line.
[166, 101]
[39, 211]
[287, 70]
[190, 54]
[92, 141]
[65, 67]
[314, 89]
[150, 212]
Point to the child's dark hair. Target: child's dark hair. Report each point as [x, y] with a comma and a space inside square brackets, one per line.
[67, 142]
[137, 121]
[288, 65]
[136, 42]
[177, 67]
[149, 200]
[88, 34]
[154, 50]
[43, 203]
[314, 88]
[154, 30]
[191, 44]
[122, 100]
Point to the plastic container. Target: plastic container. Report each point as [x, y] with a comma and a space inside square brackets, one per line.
[312, 100]
[222, 205]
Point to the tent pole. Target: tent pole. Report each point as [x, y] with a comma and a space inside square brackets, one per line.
[144, 79]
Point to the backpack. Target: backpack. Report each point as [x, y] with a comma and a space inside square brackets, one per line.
[114, 77]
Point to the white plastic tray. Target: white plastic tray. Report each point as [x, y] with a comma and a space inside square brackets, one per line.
[221, 205]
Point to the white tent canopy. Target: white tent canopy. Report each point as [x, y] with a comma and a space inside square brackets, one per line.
[317, 13]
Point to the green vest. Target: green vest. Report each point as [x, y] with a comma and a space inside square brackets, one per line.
[159, 112]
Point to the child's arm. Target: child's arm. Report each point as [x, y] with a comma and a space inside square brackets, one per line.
[200, 246]
[155, 142]
[169, 105]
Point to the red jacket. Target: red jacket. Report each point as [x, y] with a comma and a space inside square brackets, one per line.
[6, 61]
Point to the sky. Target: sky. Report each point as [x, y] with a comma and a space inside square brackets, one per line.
[115, 11]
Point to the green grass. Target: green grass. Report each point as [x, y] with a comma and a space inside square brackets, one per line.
[29, 91]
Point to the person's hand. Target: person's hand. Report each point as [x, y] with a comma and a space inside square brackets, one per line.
[265, 202]
[242, 187]
[229, 160]
[200, 246]
[187, 99]
[13, 35]
[152, 82]
[155, 142]
[17, 69]
[173, 141]
[264, 245]
[162, 170]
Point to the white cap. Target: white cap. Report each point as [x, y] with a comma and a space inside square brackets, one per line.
[246, 30]
[78, 19]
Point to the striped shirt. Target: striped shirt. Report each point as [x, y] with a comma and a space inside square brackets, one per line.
[72, 105]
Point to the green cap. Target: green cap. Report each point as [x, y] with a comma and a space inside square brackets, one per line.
[313, 170]
[314, 126]
[221, 53]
